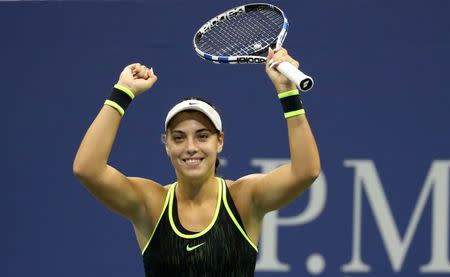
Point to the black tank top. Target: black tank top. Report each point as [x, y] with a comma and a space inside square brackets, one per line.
[221, 249]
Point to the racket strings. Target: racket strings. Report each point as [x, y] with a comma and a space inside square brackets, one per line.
[243, 34]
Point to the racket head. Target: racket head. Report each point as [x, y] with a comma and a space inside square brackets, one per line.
[242, 34]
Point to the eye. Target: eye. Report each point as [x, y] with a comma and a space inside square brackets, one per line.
[203, 136]
[177, 138]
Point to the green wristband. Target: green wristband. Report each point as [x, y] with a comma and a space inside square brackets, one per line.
[294, 113]
[288, 93]
[291, 103]
[120, 98]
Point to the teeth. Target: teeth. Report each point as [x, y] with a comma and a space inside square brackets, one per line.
[192, 161]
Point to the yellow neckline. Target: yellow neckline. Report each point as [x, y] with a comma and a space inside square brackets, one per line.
[213, 221]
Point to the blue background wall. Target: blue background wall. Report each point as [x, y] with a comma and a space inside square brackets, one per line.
[381, 94]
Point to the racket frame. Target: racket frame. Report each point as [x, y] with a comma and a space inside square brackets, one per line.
[249, 59]
[302, 81]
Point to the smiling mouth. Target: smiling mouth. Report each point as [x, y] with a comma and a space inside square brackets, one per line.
[192, 161]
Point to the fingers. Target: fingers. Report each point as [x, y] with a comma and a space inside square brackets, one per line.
[140, 71]
[151, 78]
[137, 77]
[135, 68]
[277, 56]
[270, 54]
[144, 72]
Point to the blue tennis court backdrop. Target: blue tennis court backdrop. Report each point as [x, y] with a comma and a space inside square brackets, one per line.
[379, 111]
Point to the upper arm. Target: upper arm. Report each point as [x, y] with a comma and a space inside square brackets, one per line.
[276, 189]
[127, 196]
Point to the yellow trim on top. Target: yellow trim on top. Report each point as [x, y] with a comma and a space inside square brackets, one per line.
[159, 219]
[230, 213]
[126, 90]
[213, 221]
[288, 93]
[115, 106]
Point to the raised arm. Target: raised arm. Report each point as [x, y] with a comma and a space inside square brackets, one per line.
[122, 194]
[278, 188]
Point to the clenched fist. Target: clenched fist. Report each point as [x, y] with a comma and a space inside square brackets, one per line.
[137, 77]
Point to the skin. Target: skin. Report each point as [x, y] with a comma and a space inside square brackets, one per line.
[192, 144]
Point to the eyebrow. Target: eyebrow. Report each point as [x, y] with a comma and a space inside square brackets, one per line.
[198, 131]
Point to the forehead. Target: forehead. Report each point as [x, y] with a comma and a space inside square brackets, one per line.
[190, 119]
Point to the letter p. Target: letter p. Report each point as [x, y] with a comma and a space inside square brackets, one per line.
[268, 246]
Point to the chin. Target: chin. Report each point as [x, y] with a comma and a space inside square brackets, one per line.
[194, 174]
[198, 172]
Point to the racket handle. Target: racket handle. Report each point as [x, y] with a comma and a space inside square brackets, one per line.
[301, 80]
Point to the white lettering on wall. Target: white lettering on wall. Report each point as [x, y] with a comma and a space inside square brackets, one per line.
[436, 184]
[268, 246]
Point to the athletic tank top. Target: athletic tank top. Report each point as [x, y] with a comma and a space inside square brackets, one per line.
[223, 248]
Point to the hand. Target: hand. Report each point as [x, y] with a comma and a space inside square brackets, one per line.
[138, 78]
[274, 58]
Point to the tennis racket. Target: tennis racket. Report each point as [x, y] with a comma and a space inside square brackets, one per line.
[243, 35]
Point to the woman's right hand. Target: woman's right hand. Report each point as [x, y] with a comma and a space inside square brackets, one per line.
[137, 77]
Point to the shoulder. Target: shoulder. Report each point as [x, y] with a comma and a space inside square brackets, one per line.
[245, 182]
[149, 185]
[152, 194]
[242, 189]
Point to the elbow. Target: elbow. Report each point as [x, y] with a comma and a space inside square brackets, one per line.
[83, 171]
[314, 172]
[311, 176]
[306, 177]
[79, 170]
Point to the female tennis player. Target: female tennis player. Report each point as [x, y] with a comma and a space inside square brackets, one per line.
[200, 225]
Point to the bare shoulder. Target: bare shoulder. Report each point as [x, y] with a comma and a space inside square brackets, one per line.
[149, 188]
[146, 184]
[242, 189]
[244, 182]
[152, 194]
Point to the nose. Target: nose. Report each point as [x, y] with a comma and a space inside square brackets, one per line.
[191, 148]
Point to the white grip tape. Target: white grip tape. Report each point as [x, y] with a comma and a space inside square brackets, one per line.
[301, 80]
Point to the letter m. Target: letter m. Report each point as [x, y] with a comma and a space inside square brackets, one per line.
[435, 188]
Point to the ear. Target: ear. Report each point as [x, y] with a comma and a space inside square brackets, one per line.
[164, 141]
[220, 140]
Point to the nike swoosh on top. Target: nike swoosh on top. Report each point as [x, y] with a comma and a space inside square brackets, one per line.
[189, 248]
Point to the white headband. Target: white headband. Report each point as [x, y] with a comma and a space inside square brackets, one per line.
[196, 105]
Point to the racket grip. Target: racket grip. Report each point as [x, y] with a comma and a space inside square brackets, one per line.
[300, 79]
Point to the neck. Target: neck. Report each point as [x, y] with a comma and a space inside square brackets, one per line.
[197, 190]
